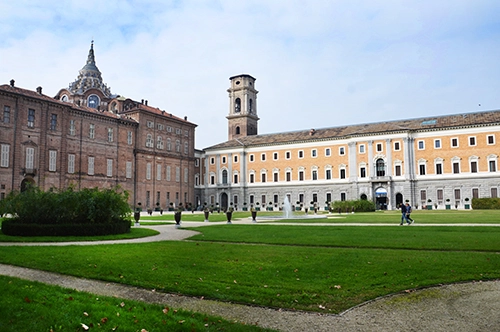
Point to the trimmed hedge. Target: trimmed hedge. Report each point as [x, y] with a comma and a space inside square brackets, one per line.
[89, 211]
[360, 205]
[486, 203]
[11, 227]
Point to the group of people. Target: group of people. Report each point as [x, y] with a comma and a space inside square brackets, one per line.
[405, 214]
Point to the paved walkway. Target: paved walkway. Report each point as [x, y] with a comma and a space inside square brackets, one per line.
[461, 307]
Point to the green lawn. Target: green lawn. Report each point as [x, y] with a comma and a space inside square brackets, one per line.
[134, 233]
[291, 266]
[32, 306]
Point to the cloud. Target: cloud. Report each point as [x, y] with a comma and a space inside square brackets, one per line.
[317, 64]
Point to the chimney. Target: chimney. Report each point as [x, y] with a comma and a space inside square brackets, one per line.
[39, 90]
[142, 101]
[146, 102]
[12, 83]
[185, 118]
[311, 132]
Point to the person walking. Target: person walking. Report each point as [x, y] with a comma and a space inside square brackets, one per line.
[408, 212]
[403, 215]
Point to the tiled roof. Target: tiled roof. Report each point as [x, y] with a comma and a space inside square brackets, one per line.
[378, 128]
[36, 95]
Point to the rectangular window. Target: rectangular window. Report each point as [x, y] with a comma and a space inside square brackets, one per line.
[301, 198]
[90, 166]
[473, 166]
[288, 155]
[440, 196]
[457, 194]
[177, 174]
[491, 139]
[109, 167]
[342, 151]
[178, 146]
[263, 157]
[314, 153]
[128, 170]
[493, 166]
[30, 158]
[252, 178]
[235, 158]
[275, 177]
[288, 176]
[397, 170]
[362, 172]
[150, 124]
[52, 160]
[148, 171]
[437, 144]
[158, 172]
[397, 146]
[494, 193]
[129, 138]
[212, 179]
[53, 121]
[342, 173]
[439, 168]
[454, 142]
[361, 148]
[92, 131]
[186, 147]
[235, 178]
[72, 127]
[263, 177]
[328, 174]
[159, 143]
[315, 175]
[110, 134]
[342, 196]
[328, 197]
[263, 200]
[168, 176]
[6, 114]
[301, 175]
[186, 175]
[71, 163]
[328, 152]
[422, 169]
[31, 118]
[4, 157]
[275, 156]
[456, 168]
[301, 154]
[472, 141]
[421, 145]
[379, 147]
[423, 195]
[251, 157]
[212, 161]
[475, 193]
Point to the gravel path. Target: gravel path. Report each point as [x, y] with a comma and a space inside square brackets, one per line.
[459, 307]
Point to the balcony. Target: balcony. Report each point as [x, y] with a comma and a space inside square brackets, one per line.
[380, 178]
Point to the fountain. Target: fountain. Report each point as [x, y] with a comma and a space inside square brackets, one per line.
[289, 214]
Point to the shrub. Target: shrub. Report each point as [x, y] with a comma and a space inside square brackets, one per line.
[360, 205]
[87, 207]
[486, 203]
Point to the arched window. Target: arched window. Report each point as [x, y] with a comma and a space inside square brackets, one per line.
[380, 165]
[237, 131]
[224, 176]
[93, 101]
[237, 105]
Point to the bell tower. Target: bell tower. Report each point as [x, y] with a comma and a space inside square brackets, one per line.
[242, 118]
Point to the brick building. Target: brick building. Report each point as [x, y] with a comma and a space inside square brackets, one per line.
[86, 136]
[437, 161]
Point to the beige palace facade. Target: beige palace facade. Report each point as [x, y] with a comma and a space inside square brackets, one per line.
[438, 161]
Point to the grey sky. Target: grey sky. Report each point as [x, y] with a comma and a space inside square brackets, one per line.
[317, 63]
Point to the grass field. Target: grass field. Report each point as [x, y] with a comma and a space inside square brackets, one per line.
[296, 267]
